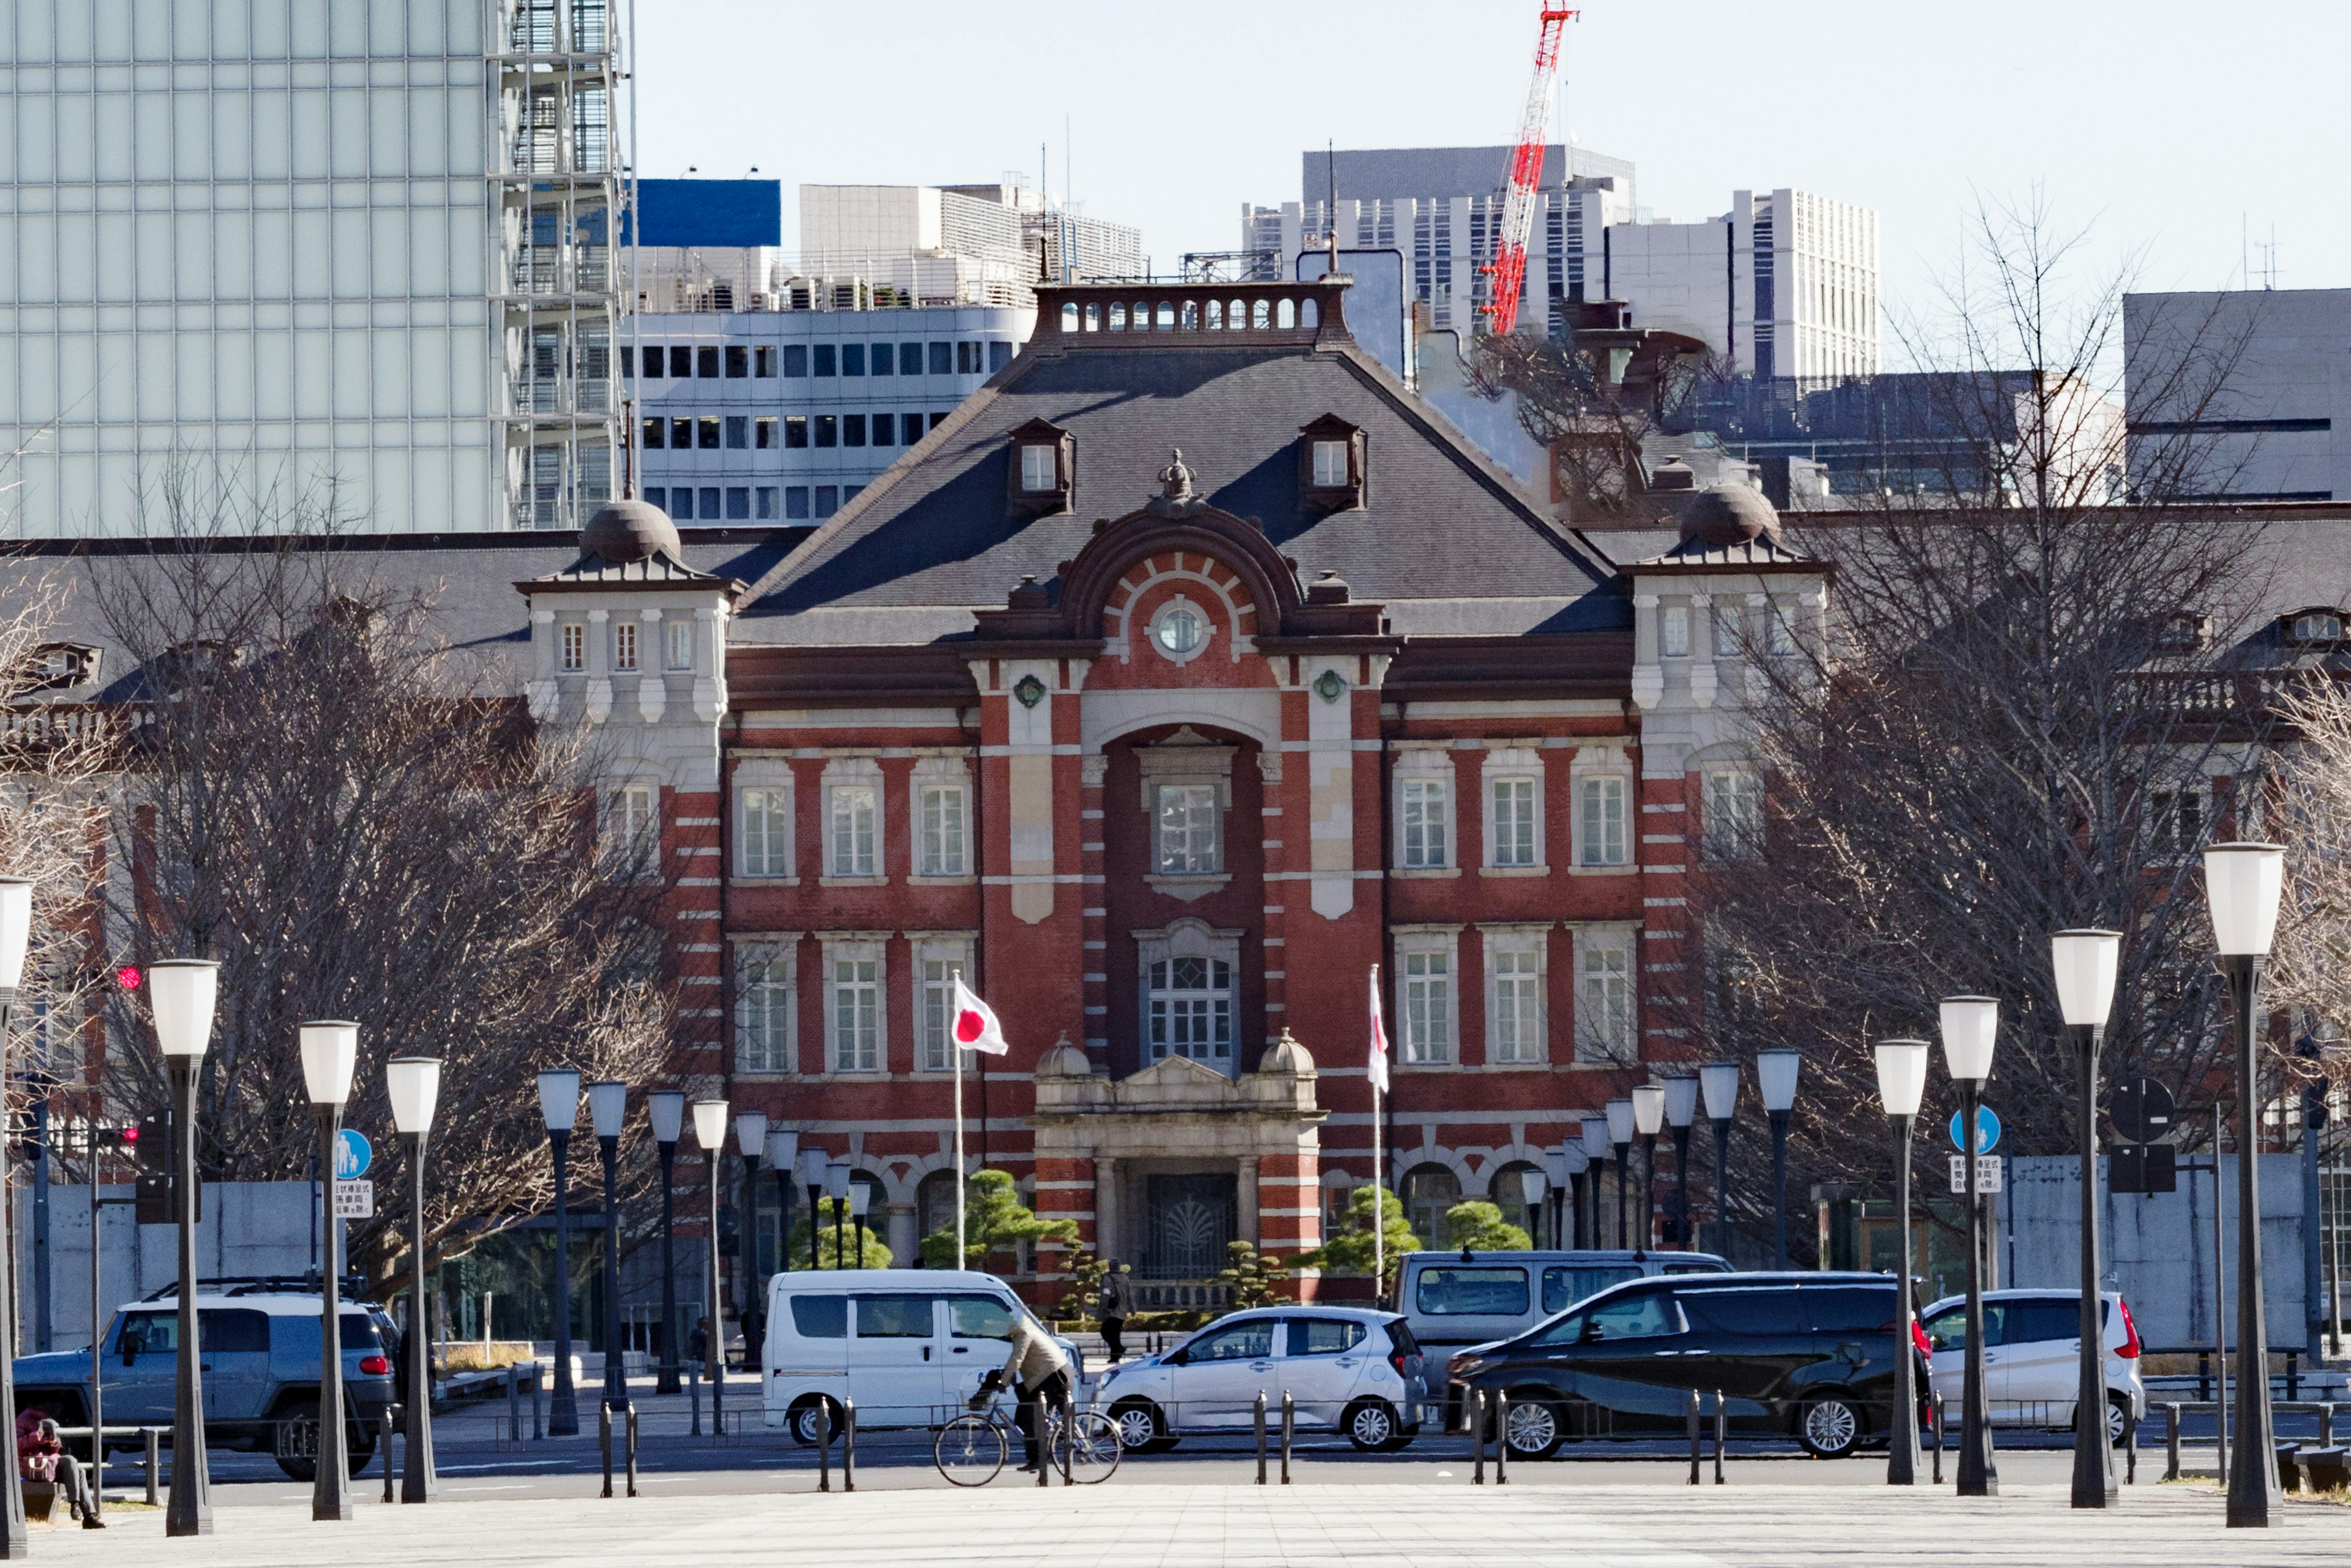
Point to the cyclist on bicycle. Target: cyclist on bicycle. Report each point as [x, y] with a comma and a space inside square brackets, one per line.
[1043, 1376]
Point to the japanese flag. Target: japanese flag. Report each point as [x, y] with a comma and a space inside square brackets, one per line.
[1376, 1068]
[975, 1028]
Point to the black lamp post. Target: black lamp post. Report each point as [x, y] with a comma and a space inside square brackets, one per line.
[1620, 1138]
[710, 1132]
[666, 1109]
[1971, 1029]
[836, 1188]
[608, 1108]
[1596, 1141]
[783, 1156]
[1776, 1078]
[1649, 1117]
[15, 936]
[1719, 1080]
[330, 1054]
[2085, 962]
[558, 1107]
[811, 1176]
[1681, 1110]
[182, 992]
[1556, 1167]
[1901, 1084]
[2241, 883]
[751, 1139]
[415, 1086]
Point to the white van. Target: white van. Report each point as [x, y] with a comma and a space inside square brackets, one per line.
[909, 1345]
[1464, 1298]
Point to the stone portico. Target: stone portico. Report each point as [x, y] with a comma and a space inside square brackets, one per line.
[1162, 1167]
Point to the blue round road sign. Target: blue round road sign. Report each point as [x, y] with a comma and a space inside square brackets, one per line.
[352, 1155]
[1986, 1131]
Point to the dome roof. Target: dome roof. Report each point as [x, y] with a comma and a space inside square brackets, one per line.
[1064, 1060]
[1672, 474]
[625, 531]
[1287, 1056]
[1728, 515]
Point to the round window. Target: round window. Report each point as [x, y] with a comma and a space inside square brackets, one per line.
[1179, 630]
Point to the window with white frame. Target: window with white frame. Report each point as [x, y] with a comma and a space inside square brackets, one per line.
[1514, 1015]
[1729, 635]
[1600, 820]
[1603, 1001]
[1672, 631]
[1779, 630]
[573, 641]
[1512, 805]
[940, 805]
[677, 644]
[1424, 797]
[852, 817]
[852, 1023]
[1186, 831]
[1040, 467]
[1734, 815]
[1425, 1000]
[937, 961]
[624, 646]
[764, 826]
[1330, 465]
[1189, 1010]
[2175, 822]
[630, 840]
[763, 1007]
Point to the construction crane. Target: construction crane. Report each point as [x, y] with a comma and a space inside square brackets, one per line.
[1509, 267]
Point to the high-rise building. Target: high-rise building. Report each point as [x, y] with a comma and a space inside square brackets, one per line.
[986, 245]
[2233, 393]
[309, 250]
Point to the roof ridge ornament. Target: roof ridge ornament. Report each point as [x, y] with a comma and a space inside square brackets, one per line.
[1176, 497]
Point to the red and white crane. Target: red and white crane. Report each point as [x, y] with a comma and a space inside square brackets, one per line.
[1509, 269]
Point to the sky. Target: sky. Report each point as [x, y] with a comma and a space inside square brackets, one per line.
[2173, 133]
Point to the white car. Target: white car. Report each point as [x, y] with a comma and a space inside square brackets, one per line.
[1344, 1368]
[2032, 1347]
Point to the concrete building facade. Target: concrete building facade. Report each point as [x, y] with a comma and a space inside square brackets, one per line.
[2253, 381]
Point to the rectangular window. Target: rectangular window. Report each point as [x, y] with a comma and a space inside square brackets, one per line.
[1512, 801]
[1601, 802]
[677, 644]
[1427, 1006]
[912, 425]
[680, 435]
[766, 511]
[852, 359]
[1189, 1010]
[852, 430]
[856, 1015]
[738, 361]
[1734, 815]
[826, 359]
[681, 361]
[937, 1006]
[942, 358]
[1603, 1004]
[828, 500]
[1672, 631]
[2176, 819]
[1188, 829]
[630, 835]
[910, 358]
[767, 832]
[624, 645]
[796, 503]
[885, 430]
[657, 496]
[1779, 632]
[706, 363]
[739, 431]
[763, 361]
[628, 361]
[763, 1020]
[1038, 468]
[574, 647]
[966, 358]
[1331, 465]
[1000, 354]
[828, 430]
[1729, 633]
[795, 358]
[738, 503]
[1517, 1034]
[1425, 824]
[942, 829]
[654, 430]
[763, 432]
[708, 506]
[796, 433]
[884, 359]
[705, 431]
[853, 846]
[937, 419]
[681, 504]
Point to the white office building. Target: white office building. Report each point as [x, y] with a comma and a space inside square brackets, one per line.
[292, 245]
[2244, 385]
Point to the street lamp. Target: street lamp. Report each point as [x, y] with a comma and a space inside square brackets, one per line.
[1598, 1136]
[836, 1188]
[1971, 1029]
[1649, 1117]
[2085, 962]
[811, 1176]
[1570, 1201]
[15, 936]
[666, 1109]
[861, 1197]
[330, 1054]
[1620, 1138]
[710, 1132]
[608, 1108]
[182, 992]
[1681, 1110]
[558, 1107]
[412, 1083]
[2241, 883]
[1719, 1080]
[1532, 1185]
[1556, 1174]
[1776, 1078]
[751, 1139]
[1901, 1084]
[783, 1154]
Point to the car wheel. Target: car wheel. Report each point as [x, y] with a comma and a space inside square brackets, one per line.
[1142, 1430]
[1534, 1431]
[2118, 1421]
[1370, 1425]
[809, 1418]
[1830, 1428]
[294, 1442]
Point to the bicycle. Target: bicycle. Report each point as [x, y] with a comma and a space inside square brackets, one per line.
[970, 1450]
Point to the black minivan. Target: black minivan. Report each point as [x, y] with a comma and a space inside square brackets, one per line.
[1805, 1353]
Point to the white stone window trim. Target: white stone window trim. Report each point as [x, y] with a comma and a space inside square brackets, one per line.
[766, 773]
[931, 772]
[1512, 762]
[612, 796]
[850, 773]
[1516, 936]
[1178, 762]
[922, 949]
[1623, 940]
[1427, 763]
[766, 946]
[1406, 941]
[1188, 937]
[856, 946]
[1181, 604]
[1719, 849]
[1602, 762]
[571, 646]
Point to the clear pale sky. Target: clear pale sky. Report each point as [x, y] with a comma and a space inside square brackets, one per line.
[2171, 128]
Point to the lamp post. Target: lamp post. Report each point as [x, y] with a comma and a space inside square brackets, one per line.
[15, 936]
[182, 992]
[1620, 1138]
[1901, 1084]
[331, 1054]
[1719, 1080]
[1681, 1110]
[558, 1107]
[666, 1109]
[2241, 883]
[1555, 1176]
[750, 1141]
[783, 1151]
[608, 1109]
[1598, 1136]
[2085, 962]
[1776, 1078]
[1533, 1186]
[710, 1132]
[860, 1196]
[412, 1083]
[811, 1176]
[1971, 1029]
[1649, 1117]
[1571, 1194]
[836, 1188]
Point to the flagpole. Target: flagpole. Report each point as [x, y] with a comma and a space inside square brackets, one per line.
[1379, 1173]
[956, 1047]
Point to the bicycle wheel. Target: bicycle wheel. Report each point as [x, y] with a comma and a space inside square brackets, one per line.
[1089, 1445]
[969, 1450]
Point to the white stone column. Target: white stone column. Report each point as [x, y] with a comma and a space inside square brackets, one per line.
[541, 694]
[1246, 1187]
[901, 1237]
[652, 684]
[600, 665]
[1108, 1243]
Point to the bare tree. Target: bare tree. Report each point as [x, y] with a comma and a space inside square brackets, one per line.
[1590, 400]
[2310, 968]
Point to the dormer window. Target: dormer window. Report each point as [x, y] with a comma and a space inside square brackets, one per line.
[1331, 465]
[1042, 469]
[2186, 632]
[2315, 628]
[58, 664]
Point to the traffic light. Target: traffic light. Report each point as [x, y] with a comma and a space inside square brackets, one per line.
[2315, 1092]
[150, 1142]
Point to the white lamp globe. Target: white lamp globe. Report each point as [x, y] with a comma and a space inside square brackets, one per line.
[2083, 962]
[559, 1097]
[16, 928]
[330, 1055]
[710, 1124]
[182, 991]
[1775, 1077]
[1649, 1109]
[1597, 1135]
[1901, 1075]
[1970, 1030]
[2241, 883]
[783, 1147]
[666, 1110]
[414, 1084]
[608, 1106]
[1720, 1081]
[1681, 1099]
[751, 1133]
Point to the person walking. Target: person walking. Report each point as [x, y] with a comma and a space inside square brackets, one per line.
[697, 1344]
[1040, 1372]
[1117, 1306]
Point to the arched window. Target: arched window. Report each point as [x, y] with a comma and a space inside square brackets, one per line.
[1428, 1191]
[1118, 318]
[1261, 315]
[1191, 316]
[933, 1209]
[1216, 315]
[1142, 315]
[1286, 315]
[1309, 314]
[1069, 315]
[1165, 319]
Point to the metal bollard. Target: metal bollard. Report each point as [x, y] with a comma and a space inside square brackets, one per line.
[514, 1406]
[2326, 1425]
[694, 1404]
[2171, 1441]
[1721, 1432]
[631, 1410]
[1692, 1415]
[2293, 1374]
[154, 1464]
[1044, 1439]
[2130, 1444]
[1477, 1403]
[604, 1435]
[849, 1445]
[823, 1443]
[537, 1382]
[1289, 1431]
[390, 1416]
[1501, 1437]
[1935, 1421]
[1261, 1436]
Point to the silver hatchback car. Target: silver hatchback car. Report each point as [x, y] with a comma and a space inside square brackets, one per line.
[1345, 1369]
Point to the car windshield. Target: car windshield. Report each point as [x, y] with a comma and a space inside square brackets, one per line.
[1472, 1291]
[1234, 1342]
[1641, 1315]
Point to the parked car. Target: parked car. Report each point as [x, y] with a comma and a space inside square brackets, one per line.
[1469, 1297]
[1805, 1353]
[1345, 1369]
[909, 1345]
[2033, 1347]
[260, 1348]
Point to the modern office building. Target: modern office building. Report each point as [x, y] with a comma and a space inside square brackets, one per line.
[302, 254]
[2246, 383]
